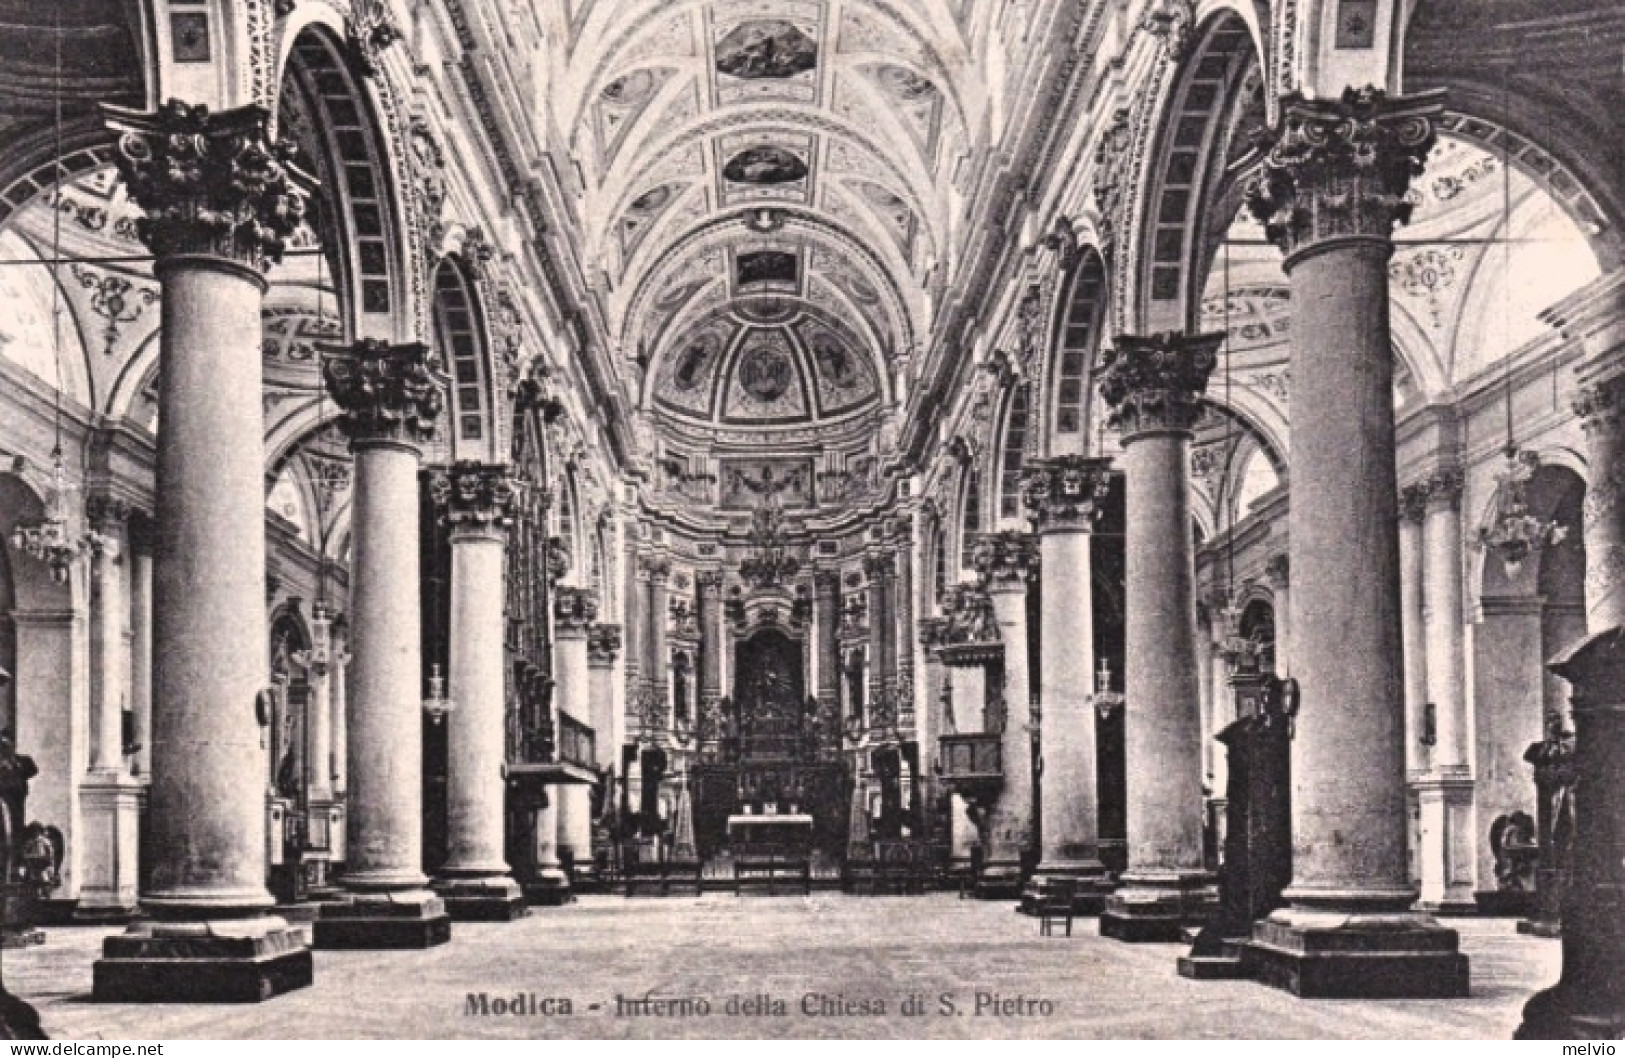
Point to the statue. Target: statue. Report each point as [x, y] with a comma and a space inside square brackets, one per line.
[1512, 842]
[31, 859]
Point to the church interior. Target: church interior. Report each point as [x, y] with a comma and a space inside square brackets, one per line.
[729, 500]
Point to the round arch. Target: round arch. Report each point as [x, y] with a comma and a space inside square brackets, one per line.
[338, 117]
[1197, 143]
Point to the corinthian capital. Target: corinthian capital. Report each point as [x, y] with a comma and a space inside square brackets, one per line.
[1342, 167]
[476, 496]
[1065, 492]
[1598, 404]
[214, 184]
[1155, 382]
[603, 643]
[388, 392]
[1005, 559]
[574, 609]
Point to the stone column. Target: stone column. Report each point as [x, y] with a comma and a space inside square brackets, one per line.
[339, 704]
[881, 568]
[1413, 508]
[971, 651]
[476, 881]
[708, 589]
[110, 795]
[1004, 562]
[903, 642]
[107, 516]
[318, 663]
[1064, 495]
[657, 659]
[189, 169]
[1447, 851]
[1278, 573]
[320, 812]
[1153, 386]
[603, 647]
[1331, 189]
[1600, 405]
[574, 612]
[827, 619]
[391, 397]
[141, 658]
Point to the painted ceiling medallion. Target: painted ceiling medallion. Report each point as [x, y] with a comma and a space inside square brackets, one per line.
[693, 362]
[765, 372]
[905, 84]
[634, 89]
[835, 364]
[764, 165]
[769, 48]
[767, 266]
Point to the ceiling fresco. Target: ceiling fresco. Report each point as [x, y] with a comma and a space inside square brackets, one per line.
[803, 147]
[765, 363]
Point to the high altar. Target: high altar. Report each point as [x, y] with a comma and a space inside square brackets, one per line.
[775, 775]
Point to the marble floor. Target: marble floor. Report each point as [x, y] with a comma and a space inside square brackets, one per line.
[821, 966]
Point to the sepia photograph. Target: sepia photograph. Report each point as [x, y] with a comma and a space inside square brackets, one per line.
[812, 519]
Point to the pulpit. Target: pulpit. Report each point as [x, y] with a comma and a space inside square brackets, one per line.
[1257, 859]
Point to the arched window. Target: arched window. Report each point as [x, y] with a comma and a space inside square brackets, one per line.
[970, 505]
[1015, 450]
[1078, 343]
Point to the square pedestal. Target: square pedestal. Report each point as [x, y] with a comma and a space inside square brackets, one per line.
[412, 919]
[1089, 893]
[481, 899]
[232, 961]
[550, 888]
[1324, 955]
[110, 844]
[1157, 909]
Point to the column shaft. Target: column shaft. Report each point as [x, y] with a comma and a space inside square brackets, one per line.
[391, 399]
[187, 167]
[1152, 385]
[1163, 722]
[1413, 635]
[386, 719]
[1330, 192]
[476, 879]
[208, 598]
[141, 658]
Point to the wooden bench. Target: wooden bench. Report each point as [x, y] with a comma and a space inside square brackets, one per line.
[770, 865]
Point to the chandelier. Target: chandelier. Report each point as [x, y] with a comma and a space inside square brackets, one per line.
[769, 563]
[1516, 534]
[1106, 700]
[48, 540]
[437, 705]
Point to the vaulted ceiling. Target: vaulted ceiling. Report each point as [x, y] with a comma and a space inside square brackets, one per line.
[779, 159]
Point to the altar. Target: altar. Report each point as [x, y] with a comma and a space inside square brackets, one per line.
[791, 830]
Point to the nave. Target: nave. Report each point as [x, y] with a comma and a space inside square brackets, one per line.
[851, 950]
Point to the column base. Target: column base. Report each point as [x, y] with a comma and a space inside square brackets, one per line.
[1156, 906]
[550, 888]
[998, 881]
[1335, 955]
[481, 899]
[1091, 886]
[1505, 903]
[412, 918]
[229, 961]
[1540, 927]
[1565, 1013]
[111, 845]
[17, 937]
